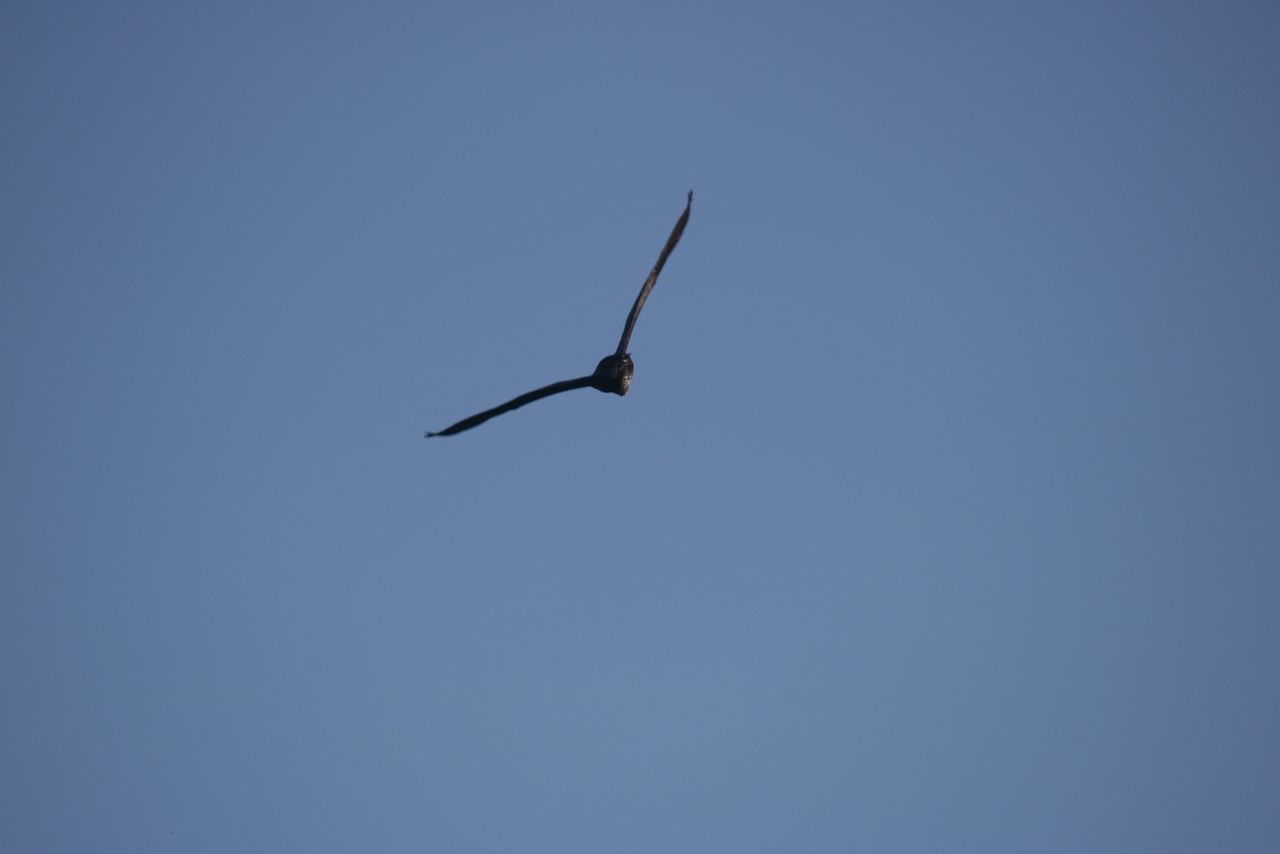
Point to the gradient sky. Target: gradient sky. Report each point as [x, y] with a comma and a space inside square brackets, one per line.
[943, 513]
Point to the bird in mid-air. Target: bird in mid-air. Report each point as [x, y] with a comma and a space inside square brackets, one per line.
[613, 373]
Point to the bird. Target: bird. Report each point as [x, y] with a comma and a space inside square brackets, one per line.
[612, 373]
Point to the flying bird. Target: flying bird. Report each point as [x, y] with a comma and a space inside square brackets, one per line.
[613, 373]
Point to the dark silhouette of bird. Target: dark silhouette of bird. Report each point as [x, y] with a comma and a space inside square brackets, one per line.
[613, 373]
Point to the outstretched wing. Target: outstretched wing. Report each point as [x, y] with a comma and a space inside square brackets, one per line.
[515, 403]
[653, 276]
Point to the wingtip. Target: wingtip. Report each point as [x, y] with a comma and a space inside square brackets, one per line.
[690, 197]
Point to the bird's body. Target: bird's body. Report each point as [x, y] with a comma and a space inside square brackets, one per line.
[613, 372]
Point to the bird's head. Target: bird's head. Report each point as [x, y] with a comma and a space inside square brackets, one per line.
[613, 373]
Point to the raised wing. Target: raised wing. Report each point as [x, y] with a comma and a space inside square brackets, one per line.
[653, 276]
[515, 403]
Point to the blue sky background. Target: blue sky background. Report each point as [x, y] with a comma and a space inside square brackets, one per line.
[943, 514]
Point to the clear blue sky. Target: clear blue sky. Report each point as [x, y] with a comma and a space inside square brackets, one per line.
[943, 513]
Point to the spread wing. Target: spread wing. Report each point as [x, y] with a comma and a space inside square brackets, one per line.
[514, 403]
[653, 276]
